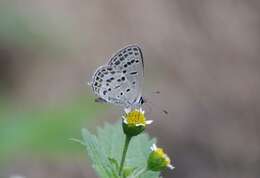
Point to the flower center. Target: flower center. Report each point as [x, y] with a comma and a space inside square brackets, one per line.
[135, 117]
[160, 152]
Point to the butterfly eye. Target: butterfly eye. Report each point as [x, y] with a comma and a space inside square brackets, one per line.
[141, 100]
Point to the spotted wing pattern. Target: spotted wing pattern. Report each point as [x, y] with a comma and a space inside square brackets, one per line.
[120, 81]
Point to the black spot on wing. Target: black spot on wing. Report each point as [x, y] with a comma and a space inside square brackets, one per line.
[100, 100]
[117, 62]
[133, 73]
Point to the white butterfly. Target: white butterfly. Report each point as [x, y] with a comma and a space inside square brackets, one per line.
[120, 81]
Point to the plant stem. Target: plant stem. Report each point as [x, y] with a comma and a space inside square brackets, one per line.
[127, 141]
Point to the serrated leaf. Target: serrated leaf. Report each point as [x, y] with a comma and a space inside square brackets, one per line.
[99, 160]
[108, 145]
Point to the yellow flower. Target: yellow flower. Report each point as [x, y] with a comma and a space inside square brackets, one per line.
[158, 160]
[134, 121]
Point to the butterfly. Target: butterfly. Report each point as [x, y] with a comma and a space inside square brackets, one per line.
[120, 80]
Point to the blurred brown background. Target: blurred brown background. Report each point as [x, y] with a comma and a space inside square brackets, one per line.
[203, 55]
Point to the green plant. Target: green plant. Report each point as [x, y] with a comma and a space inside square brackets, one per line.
[133, 160]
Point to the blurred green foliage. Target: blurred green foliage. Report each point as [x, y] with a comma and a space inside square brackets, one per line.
[45, 130]
[16, 29]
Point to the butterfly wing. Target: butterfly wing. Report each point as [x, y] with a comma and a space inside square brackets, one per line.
[105, 85]
[129, 61]
[120, 81]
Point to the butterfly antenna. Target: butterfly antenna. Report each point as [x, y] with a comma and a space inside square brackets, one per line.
[157, 92]
[149, 108]
[164, 111]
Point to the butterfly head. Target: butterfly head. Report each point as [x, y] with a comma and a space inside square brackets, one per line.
[137, 104]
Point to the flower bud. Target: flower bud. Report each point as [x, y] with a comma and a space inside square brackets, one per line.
[158, 160]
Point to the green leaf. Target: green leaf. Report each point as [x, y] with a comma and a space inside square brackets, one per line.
[128, 171]
[98, 157]
[105, 151]
[115, 163]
